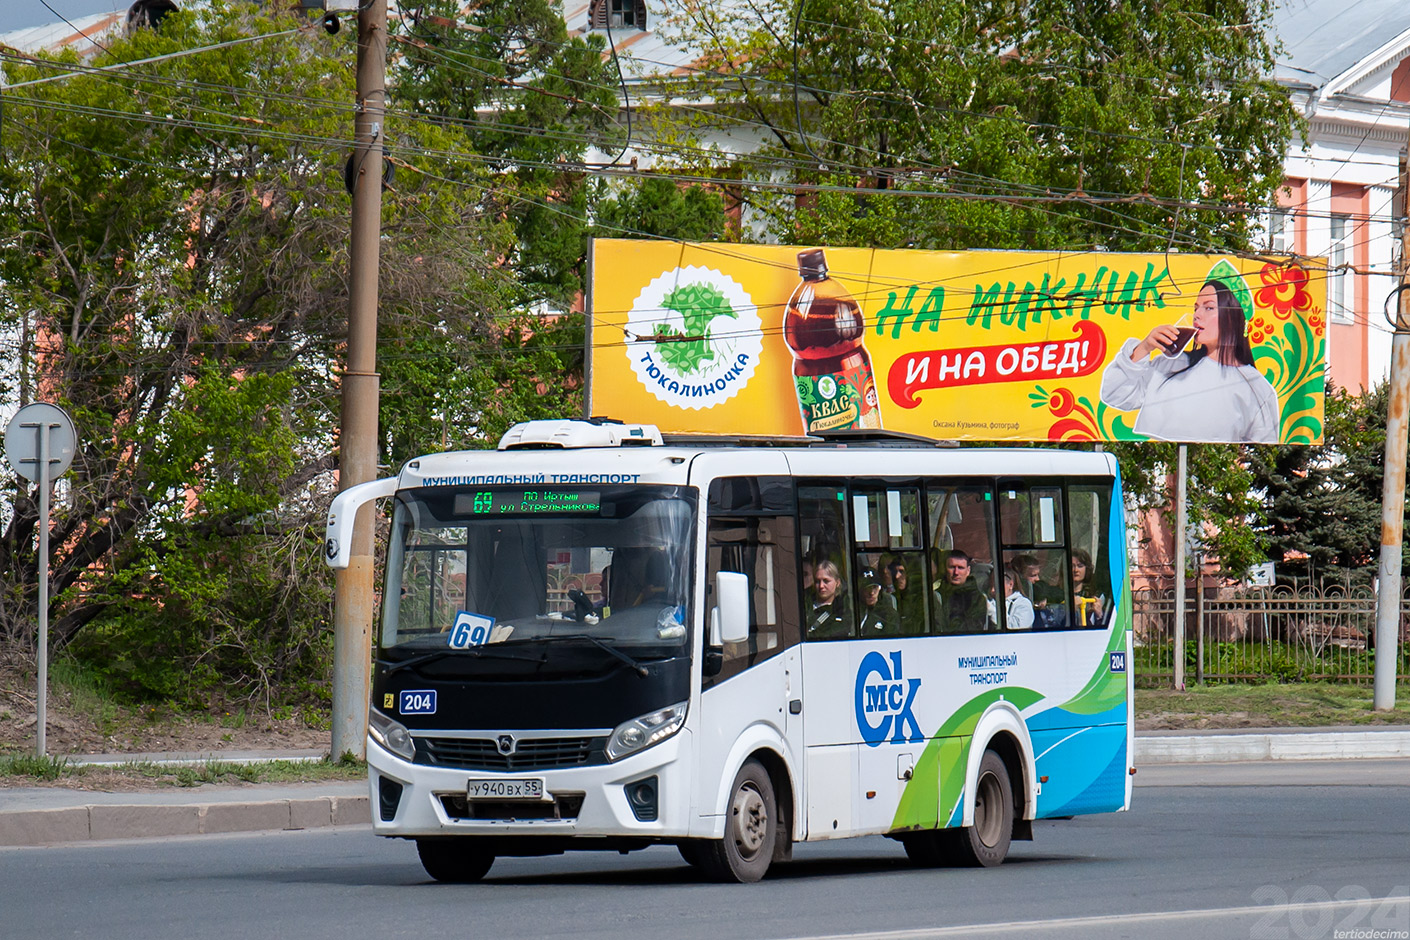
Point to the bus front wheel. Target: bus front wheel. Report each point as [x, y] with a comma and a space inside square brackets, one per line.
[454, 861]
[743, 855]
[986, 843]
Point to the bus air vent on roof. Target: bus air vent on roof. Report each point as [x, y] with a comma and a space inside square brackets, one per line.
[572, 434]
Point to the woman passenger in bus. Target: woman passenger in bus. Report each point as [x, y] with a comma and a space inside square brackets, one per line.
[1018, 610]
[829, 614]
[1086, 595]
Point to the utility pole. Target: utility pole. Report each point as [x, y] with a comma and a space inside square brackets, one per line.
[1393, 487]
[352, 599]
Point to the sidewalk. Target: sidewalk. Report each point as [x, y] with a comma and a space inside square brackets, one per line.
[49, 815]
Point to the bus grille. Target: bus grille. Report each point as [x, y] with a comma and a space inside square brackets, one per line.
[529, 753]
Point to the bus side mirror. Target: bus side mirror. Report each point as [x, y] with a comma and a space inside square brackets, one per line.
[337, 546]
[732, 594]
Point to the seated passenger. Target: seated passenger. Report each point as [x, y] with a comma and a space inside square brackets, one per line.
[962, 605]
[1086, 595]
[1018, 610]
[828, 614]
[910, 605]
[875, 616]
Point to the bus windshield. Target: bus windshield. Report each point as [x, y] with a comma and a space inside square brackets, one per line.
[469, 568]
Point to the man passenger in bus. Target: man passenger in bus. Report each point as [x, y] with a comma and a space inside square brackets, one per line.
[875, 616]
[1018, 610]
[910, 607]
[829, 614]
[963, 608]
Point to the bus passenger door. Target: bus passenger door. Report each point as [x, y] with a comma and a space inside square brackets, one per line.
[751, 691]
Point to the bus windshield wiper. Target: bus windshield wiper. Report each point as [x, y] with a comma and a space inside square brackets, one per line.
[479, 652]
[602, 645]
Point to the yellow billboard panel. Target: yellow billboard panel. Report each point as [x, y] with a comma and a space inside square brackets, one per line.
[977, 345]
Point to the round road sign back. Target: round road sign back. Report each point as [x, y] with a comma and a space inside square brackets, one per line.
[22, 440]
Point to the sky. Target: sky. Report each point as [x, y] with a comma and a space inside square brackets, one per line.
[22, 14]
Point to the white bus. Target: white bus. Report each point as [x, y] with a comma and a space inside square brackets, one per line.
[595, 639]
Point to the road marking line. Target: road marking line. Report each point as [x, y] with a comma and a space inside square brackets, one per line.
[1022, 926]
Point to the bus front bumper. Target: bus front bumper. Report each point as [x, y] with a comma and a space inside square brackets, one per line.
[416, 800]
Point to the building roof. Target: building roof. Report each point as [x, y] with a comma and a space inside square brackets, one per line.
[75, 34]
[642, 54]
[1323, 39]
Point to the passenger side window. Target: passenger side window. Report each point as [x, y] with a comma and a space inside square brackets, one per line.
[745, 536]
[1033, 534]
[962, 558]
[826, 563]
[892, 587]
[1089, 510]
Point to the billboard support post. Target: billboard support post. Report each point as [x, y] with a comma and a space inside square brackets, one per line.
[1181, 523]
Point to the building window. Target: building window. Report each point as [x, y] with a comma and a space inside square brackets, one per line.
[1339, 290]
[617, 14]
[1280, 231]
[623, 14]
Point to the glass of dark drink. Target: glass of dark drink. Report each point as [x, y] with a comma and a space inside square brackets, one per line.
[1184, 332]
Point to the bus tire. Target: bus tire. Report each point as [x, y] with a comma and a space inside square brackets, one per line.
[454, 861]
[986, 843]
[744, 854]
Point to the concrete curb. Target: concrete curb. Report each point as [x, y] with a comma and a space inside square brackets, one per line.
[1316, 745]
[100, 821]
[36, 817]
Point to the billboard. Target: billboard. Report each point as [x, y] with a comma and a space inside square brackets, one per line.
[970, 345]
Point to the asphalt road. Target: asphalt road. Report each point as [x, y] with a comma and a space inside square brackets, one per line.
[1256, 851]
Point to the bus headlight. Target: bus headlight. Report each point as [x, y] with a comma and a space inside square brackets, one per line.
[631, 736]
[391, 734]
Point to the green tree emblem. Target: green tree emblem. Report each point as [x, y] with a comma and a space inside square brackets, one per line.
[698, 305]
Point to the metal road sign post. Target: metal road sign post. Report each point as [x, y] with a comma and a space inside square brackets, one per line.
[39, 443]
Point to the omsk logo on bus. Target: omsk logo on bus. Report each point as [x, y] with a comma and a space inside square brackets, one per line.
[694, 337]
[884, 701]
[417, 702]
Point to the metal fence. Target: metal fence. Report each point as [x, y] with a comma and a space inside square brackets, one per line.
[1261, 634]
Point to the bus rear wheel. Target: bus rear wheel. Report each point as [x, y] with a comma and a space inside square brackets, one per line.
[986, 843]
[743, 855]
[454, 861]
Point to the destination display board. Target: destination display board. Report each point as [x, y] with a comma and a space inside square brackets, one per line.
[975, 345]
[527, 502]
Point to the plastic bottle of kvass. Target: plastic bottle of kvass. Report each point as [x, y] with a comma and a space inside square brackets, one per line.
[832, 372]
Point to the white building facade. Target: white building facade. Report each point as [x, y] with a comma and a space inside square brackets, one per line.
[1348, 70]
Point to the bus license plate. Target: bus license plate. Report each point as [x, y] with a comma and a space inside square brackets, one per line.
[506, 788]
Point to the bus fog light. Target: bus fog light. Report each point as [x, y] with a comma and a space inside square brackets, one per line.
[641, 796]
[391, 734]
[631, 736]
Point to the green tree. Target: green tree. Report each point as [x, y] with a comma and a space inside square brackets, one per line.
[1016, 120]
[521, 97]
[1322, 505]
[175, 245]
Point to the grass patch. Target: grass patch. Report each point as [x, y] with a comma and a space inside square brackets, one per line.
[33, 766]
[19, 771]
[1267, 705]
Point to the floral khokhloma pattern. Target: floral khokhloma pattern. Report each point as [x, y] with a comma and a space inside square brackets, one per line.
[1079, 419]
[1290, 350]
[1288, 336]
